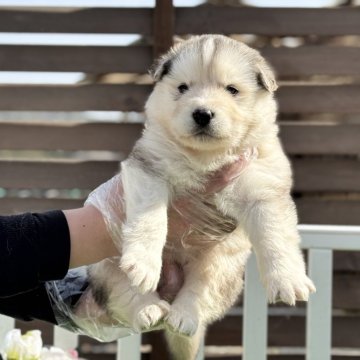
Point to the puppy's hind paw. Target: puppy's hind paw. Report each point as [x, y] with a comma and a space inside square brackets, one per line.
[151, 315]
[182, 321]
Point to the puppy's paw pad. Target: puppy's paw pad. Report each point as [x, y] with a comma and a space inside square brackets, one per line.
[142, 273]
[182, 322]
[151, 315]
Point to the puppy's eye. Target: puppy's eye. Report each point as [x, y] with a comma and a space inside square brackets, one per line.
[182, 88]
[232, 90]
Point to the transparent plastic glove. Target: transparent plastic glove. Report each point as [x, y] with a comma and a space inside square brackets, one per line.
[108, 197]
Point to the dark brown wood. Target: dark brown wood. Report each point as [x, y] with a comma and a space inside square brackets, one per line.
[56, 174]
[331, 212]
[77, 98]
[299, 138]
[313, 60]
[326, 175]
[267, 21]
[88, 59]
[228, 20]
[96, 20]
[304, 138]
[316, 99]
[302, 61]
[131, 97]
[91, 136]
[164, 23]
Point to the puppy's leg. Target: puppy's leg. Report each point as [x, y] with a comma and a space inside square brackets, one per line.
[271, 225]
[213, 281]
[145, 228]
[113, 292]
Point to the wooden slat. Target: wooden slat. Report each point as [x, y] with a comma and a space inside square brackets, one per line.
[228, 20]
[97, 20]
[328, 99]
[92, 136]
[336, 212]
[163, 26]
[299, 138]
[305, 60]
[267, 21]
[326, 175]
[320, 139]
[56, 174]
[314, 60]
[303, 99]
[310, 174]
[76, 98]
[89, 59]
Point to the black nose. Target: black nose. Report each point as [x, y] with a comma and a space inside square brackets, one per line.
[202, 116]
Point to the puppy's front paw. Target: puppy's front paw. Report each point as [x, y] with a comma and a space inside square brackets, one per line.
[288, 288]
[151, 315]
[182, 321]
[143, 272]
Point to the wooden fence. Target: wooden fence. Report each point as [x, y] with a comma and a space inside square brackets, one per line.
[319, 104]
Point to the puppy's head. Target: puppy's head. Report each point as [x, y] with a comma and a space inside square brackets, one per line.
[212, 93]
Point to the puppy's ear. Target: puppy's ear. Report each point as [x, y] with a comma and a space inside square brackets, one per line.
[265, 76]
[161, 68]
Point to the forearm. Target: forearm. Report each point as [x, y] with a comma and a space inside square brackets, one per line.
[90, 241]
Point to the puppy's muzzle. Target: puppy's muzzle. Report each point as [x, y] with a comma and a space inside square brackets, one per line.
[202, 117]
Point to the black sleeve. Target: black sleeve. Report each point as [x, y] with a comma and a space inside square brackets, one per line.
[34, 248]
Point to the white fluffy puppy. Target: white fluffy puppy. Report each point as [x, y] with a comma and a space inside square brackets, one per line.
[212, 103]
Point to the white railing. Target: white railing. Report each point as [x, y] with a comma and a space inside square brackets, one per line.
[320, 241]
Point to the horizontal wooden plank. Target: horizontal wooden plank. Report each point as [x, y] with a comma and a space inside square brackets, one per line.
[326, 174]
[311, 174]
[301, 61]
[96, 20]
[56, 174]
[131, 97]
[76, 98]
[313, 60]
[228, 20]
[320, 138]
[335, 212]
[92, 136]
[267, 21]
[88, 59]
[299, 138]
[316, 99]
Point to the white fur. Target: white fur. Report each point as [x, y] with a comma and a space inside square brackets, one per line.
[258, 200]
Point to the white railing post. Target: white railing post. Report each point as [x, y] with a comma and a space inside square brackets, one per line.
[319, 307]
[6, 324]
[129, 348]
[65, 339]
[255, 315]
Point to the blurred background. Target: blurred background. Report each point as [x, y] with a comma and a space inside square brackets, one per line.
[73, 83]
